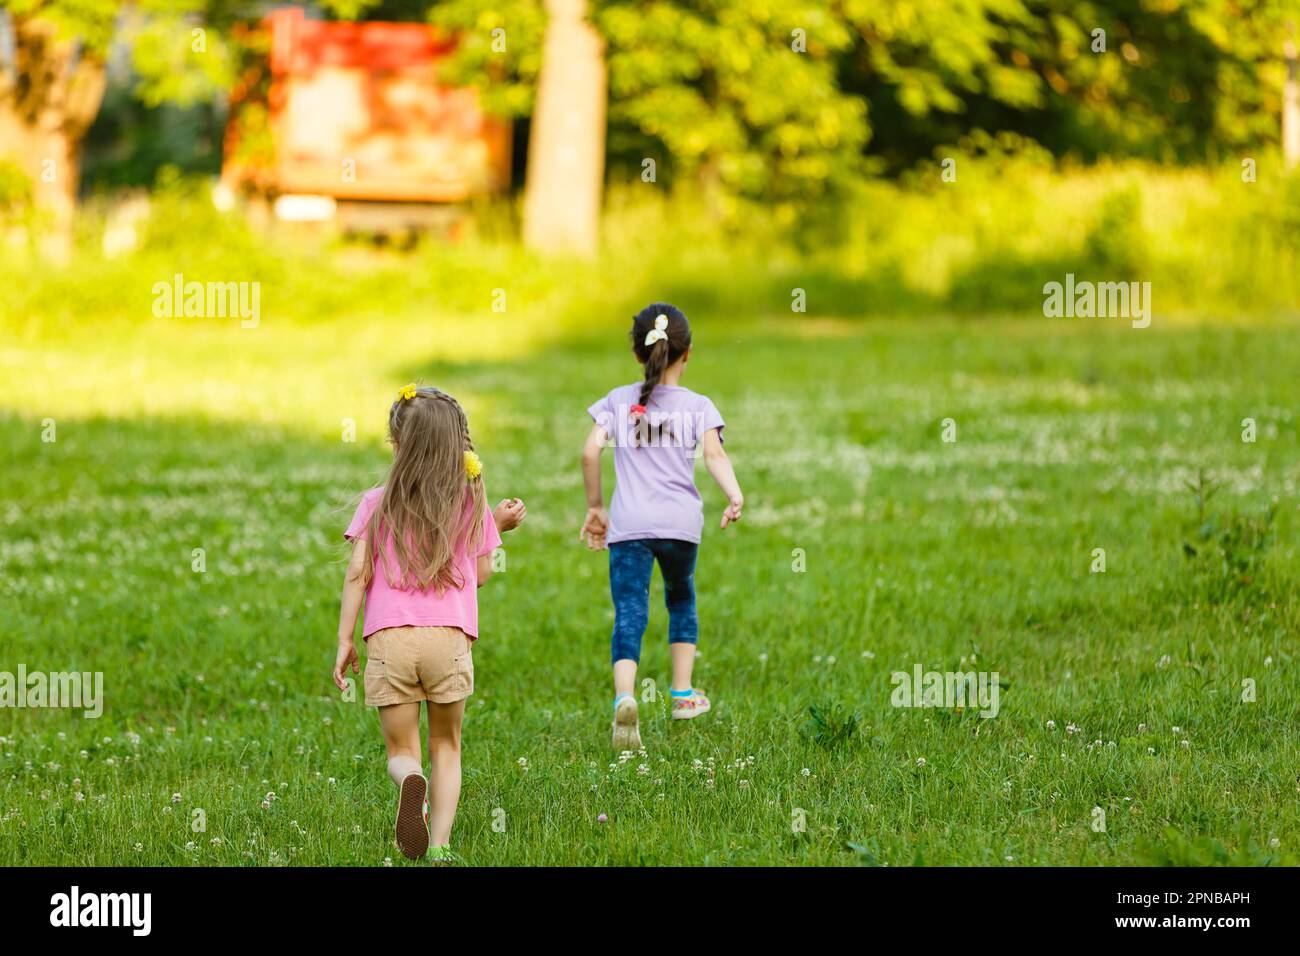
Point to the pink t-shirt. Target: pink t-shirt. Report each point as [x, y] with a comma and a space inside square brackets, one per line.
[387, 606]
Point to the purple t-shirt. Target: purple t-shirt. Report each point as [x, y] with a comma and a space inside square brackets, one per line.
[654, 467]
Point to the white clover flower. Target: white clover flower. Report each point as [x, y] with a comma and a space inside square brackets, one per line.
[920, 761]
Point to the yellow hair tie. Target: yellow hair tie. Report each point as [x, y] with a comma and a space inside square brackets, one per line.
[473, 466]
[406, 392]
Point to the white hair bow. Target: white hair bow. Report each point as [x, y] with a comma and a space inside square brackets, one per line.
[660, 331]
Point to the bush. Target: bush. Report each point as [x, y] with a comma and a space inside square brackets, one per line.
[15, 192]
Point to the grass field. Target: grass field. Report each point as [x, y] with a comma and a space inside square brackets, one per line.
[1121, 690]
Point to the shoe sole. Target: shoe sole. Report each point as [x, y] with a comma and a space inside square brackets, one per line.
[410, 829]
[627, 735]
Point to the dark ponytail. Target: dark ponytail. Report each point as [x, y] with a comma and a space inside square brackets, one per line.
[655, 364]
[666, 349]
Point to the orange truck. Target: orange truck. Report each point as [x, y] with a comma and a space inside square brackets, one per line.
[349, 121]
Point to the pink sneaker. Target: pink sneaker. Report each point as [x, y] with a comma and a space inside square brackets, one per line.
[684, 708]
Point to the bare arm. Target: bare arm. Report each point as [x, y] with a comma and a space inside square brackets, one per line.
[719, 466]
[597, 522]
[509, 514]
[349, 609]
[484, 568]
[506, 516]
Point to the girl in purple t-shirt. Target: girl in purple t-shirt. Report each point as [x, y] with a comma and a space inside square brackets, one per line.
[657, 428]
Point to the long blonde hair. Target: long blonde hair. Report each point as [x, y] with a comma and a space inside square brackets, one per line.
[423, 508]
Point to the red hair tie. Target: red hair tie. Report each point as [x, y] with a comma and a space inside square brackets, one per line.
[637, 411]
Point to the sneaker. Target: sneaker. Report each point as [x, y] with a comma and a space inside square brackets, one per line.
[412, 826]
[627, 735]
[442, 856]
[684, 708]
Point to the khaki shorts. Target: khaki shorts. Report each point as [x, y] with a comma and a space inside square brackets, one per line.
[406, 665]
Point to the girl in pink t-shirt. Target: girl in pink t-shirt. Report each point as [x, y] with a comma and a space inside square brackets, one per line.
[421, 547]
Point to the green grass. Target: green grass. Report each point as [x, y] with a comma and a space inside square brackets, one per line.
[1071, 435]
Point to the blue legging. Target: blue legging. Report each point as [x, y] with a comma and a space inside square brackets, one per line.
[630, 565]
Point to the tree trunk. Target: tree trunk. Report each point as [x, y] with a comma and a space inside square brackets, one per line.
[566, 153]
[46, 106]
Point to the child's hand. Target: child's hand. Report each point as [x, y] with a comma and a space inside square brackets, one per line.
[347, 655]
[594, 528]
[509, 514]
[732, 512]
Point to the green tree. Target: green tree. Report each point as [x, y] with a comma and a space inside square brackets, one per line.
[737, 95]
[50, 94]
[52, 91]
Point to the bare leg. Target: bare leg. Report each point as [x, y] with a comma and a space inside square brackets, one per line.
[444, 758]
[683, 655]
[624, 676]
[401, 726]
